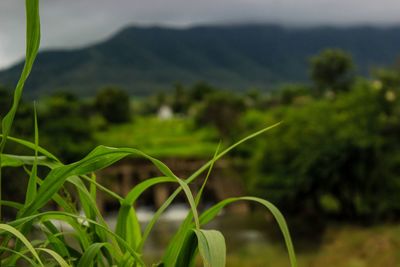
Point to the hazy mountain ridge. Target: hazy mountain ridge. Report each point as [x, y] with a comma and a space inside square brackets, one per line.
[148, 59]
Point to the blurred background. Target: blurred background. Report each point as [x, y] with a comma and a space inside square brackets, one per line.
[175, 78]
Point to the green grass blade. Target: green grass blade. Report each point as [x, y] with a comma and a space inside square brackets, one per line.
[129, 229]
[64, 216]
[212, 247]
[90, 255]
[32, 47]
[32, 187]
[99, 158]
[227, 150]
[209, 214]
[12, 204]
[19, 161]
[16, 233]
[61, 262]
[128, 226]
[32, 146]
[19, 254]
[173, 250]
[199, 194]
[157, 215]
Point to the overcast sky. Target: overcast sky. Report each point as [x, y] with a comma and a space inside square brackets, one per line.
[71, 23]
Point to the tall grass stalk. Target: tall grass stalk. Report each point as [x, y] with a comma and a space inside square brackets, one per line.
[98, 244]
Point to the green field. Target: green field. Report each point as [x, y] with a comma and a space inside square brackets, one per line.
[175, 137]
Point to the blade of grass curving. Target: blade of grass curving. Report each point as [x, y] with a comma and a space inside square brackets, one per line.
[156, 217]
[59, 215]
[124, 227]
[209, 214]
[227, 150]
[61, 262]
[32, 187]
[196, 174]
[12, 204]
[99, 158]
[212, 247]
[31, 145]
[18, 254]
[56, 241]
[182, 240]
[199, 194]
[18, 161]
[90, 206]
[93, 187]
[84, 239]
[187, 254]
[32, 47]
[16, 233]
[128, 226]
[90, 255]
[87, 201]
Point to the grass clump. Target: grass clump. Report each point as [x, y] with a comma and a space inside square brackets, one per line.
[92, 242]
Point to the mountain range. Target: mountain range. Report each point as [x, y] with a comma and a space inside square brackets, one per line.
[143, 60]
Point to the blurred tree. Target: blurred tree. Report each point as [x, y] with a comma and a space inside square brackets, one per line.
[5, 101]
[336, 158]
[200, 91]
[222, 110]
[180, 101]
[332, 70]
[64, 127]
[114, 104]
[387, 83]
[289, 93]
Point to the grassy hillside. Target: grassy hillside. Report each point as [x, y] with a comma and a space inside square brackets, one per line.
[144, 60]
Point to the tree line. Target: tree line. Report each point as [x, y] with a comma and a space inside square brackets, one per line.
[336, 155]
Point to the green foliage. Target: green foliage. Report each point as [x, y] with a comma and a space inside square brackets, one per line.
[113, 104]
[343, 150]
[222, 110]
[64, 127]
[331, 70]
[5, 101]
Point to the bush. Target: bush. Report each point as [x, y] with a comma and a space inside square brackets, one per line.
[114, 105]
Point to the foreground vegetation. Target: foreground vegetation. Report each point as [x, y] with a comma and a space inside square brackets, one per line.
[92, 242]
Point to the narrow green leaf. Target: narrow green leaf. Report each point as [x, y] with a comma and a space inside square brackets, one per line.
[212, 247]
[16, 233]
[32, 146]
[61, 262]
[170, 199]
[99, 158]
[209, 214]
[32, 47]
[19, 254]
[32, 188]
[93, 251]
[64, 216]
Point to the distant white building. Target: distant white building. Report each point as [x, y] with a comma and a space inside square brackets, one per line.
[165, 112]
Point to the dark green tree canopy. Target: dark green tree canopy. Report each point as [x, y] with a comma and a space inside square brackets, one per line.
[332, 70]
[114, 104]
[5, 100]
